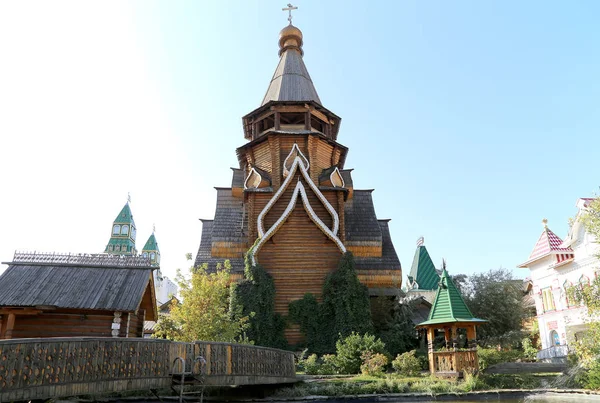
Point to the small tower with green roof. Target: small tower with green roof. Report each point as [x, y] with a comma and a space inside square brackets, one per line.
[423, 275]
[449, 313]
[150, 250]
[122, 238]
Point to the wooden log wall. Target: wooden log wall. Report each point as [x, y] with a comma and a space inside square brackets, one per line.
[36, 369]
[68, 323]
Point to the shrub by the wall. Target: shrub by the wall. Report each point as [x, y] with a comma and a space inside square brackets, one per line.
[407, 364]
[350, 349]
[373, 363]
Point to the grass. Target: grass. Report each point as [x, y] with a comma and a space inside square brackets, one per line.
[392, 383]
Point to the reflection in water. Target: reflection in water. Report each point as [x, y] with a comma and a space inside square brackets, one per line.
[541, 398]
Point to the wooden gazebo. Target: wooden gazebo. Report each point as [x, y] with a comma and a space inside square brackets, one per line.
[448, 314]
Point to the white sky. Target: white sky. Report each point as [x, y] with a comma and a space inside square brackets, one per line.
[81, 125]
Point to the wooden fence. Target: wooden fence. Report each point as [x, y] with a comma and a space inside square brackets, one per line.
[454, 362]
[33, 369]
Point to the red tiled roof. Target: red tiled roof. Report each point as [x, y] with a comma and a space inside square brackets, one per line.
[548, 243]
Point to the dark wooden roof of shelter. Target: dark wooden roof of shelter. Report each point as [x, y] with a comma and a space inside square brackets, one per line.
[360, 219]
[388, 260]
[228, 224]
[347, 176]
[95, 282]
[204, 251]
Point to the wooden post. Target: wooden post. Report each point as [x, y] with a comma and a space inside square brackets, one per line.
[471, 337]
[277, 121]
[447, 336]
[10, 325]
[430, 337]
[229, 360]
[454, 337]
[207, 359]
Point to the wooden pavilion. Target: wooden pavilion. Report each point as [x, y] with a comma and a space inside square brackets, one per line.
[448, 314]
[54, 295]
[293, 193]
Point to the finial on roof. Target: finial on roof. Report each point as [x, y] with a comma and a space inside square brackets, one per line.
[290, 37]
[128, 197]
[153, 227]
[420, 241]
[289, 8]
[545, 222]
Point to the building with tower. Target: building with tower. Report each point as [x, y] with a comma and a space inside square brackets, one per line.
[293, 198]
[555, 266]
[424, 278]
[122, 242]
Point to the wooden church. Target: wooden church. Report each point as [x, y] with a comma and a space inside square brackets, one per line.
[294, 197]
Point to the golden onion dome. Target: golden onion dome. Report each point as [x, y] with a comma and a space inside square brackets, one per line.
[290, 37]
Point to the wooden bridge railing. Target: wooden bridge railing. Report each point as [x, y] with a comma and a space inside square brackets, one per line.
[43, 368]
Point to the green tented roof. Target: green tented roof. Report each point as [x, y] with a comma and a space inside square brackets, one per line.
[423, 271]
[449, 306]
[125, 216]
[151, 244]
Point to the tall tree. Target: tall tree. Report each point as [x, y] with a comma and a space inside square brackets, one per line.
[204, 311]
[498, 297]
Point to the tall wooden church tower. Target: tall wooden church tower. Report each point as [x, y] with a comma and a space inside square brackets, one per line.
[293, 193]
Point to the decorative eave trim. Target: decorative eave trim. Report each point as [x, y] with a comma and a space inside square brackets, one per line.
[305, 164]
[300, 161]
[255, 172]
[336, 170]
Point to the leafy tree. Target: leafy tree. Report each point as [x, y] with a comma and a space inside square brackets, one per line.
[204, 311]
[498, 297]
[254, 298]
[166, 328]
[392, 321]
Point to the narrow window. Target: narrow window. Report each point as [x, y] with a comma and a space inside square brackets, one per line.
[125, 230]
[116, 230]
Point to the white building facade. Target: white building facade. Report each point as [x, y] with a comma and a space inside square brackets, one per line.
[555, 266]
[165, 288]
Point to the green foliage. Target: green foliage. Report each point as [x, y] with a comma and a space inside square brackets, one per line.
[592, 379]
[529, 351]
[312, 365]
[254, 298]
[407, 364]
[204, 311]
[392, 321]
[372, 363]
[491, 356]
[345, 309]
[497, 297]
[351, 348]
[166, 328]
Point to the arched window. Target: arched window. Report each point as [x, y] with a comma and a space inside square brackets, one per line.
[125, 230]
[567, 286]
[116, 230]
[145, 254]
[584, 280]
[554, 339]
[152, 255]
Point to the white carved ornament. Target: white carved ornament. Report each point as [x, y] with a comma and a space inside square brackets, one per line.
[299, 162]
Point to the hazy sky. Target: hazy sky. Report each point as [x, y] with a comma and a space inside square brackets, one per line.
[472, 120]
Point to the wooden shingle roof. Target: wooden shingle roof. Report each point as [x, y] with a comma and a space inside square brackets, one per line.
[228, 224]
[360, 219]
[291, 81]
[96, 282]
[204, 251]
[388, 260]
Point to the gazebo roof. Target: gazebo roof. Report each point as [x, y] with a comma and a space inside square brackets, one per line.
[449, 306]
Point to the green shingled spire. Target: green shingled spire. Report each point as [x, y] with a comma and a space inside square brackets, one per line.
[122, 239]
[423, 274]
[151, 250]
[449, 306]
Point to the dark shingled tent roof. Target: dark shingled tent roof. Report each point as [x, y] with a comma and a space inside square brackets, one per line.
[204, 251]
[96, 282]
[228, 225]
[361, 220]
[388, 260]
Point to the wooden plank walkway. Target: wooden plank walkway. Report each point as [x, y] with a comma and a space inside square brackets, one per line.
[32, 369]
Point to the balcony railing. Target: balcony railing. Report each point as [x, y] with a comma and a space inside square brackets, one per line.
[554, 352]
[454, 362]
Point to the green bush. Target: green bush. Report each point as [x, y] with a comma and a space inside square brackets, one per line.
[373, 363]
[407, 364]
[328, 365]
[313, 365]
[350, 349]
[592, 379]
[492, 356]
[529, 350]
